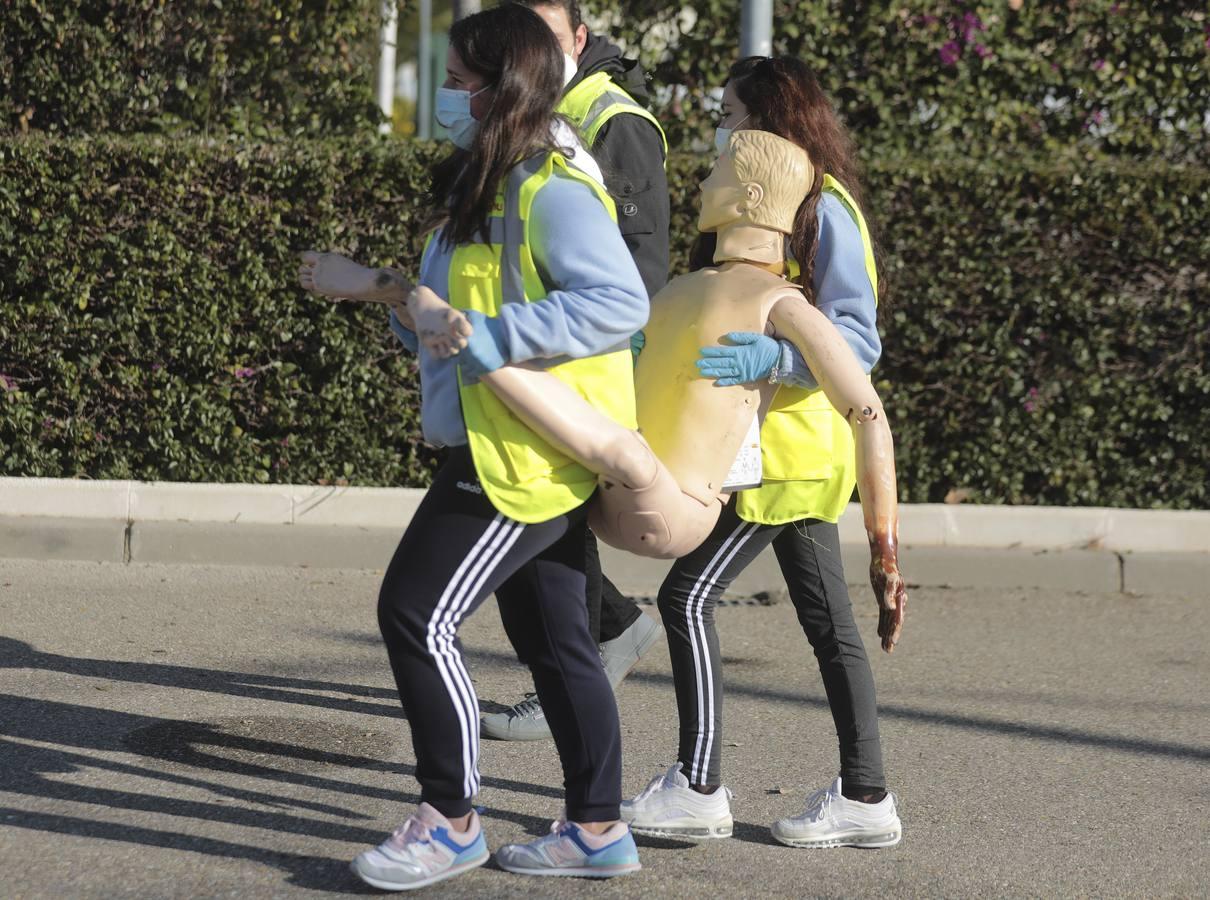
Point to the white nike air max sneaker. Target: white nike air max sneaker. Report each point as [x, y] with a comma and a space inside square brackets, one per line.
[831, 820]
[668, 807]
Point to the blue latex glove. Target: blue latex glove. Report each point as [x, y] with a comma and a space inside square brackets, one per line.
[486, 348]
[752, 358]
[638, 341]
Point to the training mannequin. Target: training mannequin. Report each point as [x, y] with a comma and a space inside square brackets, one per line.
[661, 487]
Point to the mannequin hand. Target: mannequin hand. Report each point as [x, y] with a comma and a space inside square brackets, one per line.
[441, 329]
[638, 341]
[485, 347]
[751, 357]
[889, 589]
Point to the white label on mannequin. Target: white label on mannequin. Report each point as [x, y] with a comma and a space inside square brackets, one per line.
[746, 471]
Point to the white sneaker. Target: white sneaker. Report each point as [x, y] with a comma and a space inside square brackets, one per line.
[422, 851]
[830, 820]
[570, 850]
[668, 807]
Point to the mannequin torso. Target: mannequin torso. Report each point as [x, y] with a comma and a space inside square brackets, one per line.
[696, 428]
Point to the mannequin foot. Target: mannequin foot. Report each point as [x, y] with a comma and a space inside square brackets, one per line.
[338, 277]
[442, 329]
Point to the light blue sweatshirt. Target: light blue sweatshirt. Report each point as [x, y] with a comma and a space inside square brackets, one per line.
[595, 300]
[843, 293]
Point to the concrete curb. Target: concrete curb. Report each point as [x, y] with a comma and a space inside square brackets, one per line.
[347, 527]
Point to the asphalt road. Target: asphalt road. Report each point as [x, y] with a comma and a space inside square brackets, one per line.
[178, 731]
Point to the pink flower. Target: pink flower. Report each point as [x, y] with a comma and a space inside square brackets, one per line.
[1033, 393]
[244, 372]
[1030, 406]
[981, 51]
[968, 25]
[1098, 65]
[949, 53]
[7, 383]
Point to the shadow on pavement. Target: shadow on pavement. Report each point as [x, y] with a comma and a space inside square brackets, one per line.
[965, 722]
[16, 654]
[315, 873]
[183, 755]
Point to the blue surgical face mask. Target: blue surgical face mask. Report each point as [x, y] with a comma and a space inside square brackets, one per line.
[723, 135]
[453, 113]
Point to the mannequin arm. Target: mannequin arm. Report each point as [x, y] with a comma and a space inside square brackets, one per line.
[543, 402]
[850, 392]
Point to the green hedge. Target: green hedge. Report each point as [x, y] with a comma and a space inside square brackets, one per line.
[914, 76]
[1046, 342]
[253, 67]
[909, 76]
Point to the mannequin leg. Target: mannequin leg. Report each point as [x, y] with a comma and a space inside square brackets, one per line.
[640, 506]
[333, 275]
[575, 427]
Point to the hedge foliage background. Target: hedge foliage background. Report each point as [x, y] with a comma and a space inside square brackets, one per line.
[1119, 77]
[1047, 342]
[1040, 178]
[250, 67]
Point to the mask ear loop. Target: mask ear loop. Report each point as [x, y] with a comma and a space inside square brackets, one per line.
[476, 94]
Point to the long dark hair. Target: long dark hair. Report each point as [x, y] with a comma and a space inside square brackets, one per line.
[518, 56]
[782, 95]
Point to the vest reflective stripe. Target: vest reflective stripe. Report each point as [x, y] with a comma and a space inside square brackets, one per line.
[524, 477]
[596, 100]
[807, 452]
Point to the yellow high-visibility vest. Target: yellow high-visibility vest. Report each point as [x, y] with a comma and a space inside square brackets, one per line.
[596, 100]
[524, 477]
[807, 453]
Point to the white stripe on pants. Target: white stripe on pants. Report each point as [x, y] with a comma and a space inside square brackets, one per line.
[694, 607]
[491, 548]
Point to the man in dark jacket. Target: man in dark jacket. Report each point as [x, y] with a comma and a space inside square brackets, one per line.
[605, 98]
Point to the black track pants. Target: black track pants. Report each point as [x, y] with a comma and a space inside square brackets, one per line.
[610, 612]
[808, 552]
[456, 551]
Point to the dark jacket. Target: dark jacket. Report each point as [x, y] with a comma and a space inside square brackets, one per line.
[630, 152]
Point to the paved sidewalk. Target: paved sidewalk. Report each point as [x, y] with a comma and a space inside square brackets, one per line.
[952, 545]
[190, 731]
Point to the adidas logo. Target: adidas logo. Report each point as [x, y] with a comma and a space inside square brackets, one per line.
[468, 486]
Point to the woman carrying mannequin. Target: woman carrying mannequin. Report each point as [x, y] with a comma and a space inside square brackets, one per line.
[808, 463]
[663, 489]
[528, 249]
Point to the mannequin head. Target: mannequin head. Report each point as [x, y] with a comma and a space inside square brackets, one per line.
[760, 180]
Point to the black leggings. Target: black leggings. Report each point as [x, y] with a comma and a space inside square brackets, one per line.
[610, 612]
[808, 552]
[456, 551]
